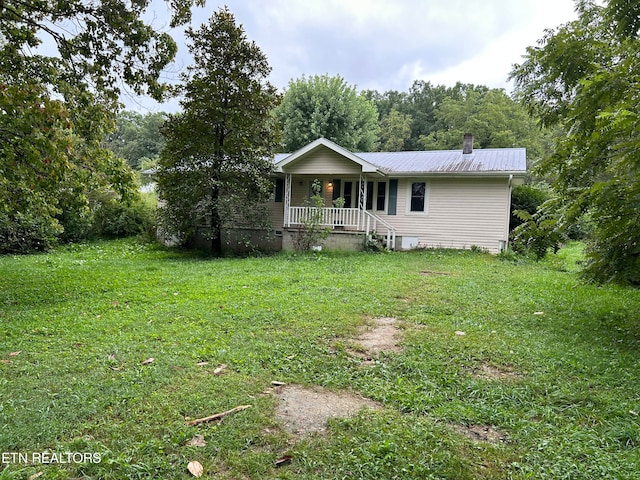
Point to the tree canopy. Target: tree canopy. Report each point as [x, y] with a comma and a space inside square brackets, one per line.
[56, 109]
[137, 138]
[395, 131]
[417, 107]
[323, 106]
[429, 117]
[97, 44]
[585, 76]
[216, 165]
[495, 120]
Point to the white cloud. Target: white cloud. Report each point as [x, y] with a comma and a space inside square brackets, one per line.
[387, 44]
[491, 66]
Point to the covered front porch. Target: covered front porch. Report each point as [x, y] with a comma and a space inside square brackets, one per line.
[346, 184]
[349, 213]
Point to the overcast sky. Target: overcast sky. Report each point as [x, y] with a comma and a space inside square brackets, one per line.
[384, 44]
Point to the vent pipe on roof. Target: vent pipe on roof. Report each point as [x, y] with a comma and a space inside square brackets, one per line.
[467, 143]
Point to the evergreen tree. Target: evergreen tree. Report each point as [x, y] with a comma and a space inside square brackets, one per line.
[216, 164]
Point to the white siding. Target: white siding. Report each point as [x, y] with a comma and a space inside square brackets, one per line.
[276, 214]
[461, 212]
[324, 161]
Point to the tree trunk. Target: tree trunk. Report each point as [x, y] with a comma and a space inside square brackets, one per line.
[216, 222]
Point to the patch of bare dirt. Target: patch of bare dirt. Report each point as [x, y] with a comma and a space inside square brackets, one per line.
[382, 335]
[430, 273]
[305, 411]
[490, 372]
[480, 433]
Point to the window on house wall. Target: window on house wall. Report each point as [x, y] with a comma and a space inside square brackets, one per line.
[418, 196]
[369, 196]
[381, 195]
[337, 187]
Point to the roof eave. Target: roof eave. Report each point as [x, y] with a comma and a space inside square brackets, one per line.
[501, 173]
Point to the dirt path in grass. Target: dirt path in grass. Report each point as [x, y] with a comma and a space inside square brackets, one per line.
[381, 335]
[304, 411]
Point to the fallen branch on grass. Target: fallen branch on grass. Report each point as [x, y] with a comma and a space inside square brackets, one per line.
[217, 416]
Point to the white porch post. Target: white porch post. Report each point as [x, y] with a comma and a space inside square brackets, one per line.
[362, 199]
[287, 200]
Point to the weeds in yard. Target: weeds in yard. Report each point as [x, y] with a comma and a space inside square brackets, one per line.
[79, 323]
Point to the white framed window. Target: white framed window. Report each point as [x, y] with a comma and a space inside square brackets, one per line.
[376, 196]
[381, 196]
[418, 196]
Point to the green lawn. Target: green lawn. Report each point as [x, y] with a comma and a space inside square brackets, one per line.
[85, 318]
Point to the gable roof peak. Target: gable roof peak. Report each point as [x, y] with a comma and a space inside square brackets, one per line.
[324, 142]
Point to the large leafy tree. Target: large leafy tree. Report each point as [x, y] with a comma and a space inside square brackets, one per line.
[585, 76]
[215, 168]
[495, 120]
[56, 109]
[418, 106]
[421, 103]
[97, 44]
[51, 162]
[395, 130]
[137, 138]
[324, 106]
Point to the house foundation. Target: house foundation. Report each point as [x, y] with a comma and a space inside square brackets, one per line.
[337, 240]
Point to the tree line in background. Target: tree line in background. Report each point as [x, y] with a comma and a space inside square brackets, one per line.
[63, 176]
[427, 117]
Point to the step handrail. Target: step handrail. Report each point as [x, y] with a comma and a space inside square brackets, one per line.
[371, 229]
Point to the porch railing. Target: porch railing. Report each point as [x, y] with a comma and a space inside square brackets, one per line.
[347, 217]
[362, 220]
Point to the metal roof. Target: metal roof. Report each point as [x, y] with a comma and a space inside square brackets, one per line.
[279, 157]
[480, 161]
[490, 160]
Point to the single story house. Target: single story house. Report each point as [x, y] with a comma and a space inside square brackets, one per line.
[434, 199]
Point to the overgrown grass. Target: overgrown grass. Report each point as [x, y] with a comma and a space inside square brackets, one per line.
[84, 319]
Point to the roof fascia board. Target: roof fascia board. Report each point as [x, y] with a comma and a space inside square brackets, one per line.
[366, 166]
[505, 173]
